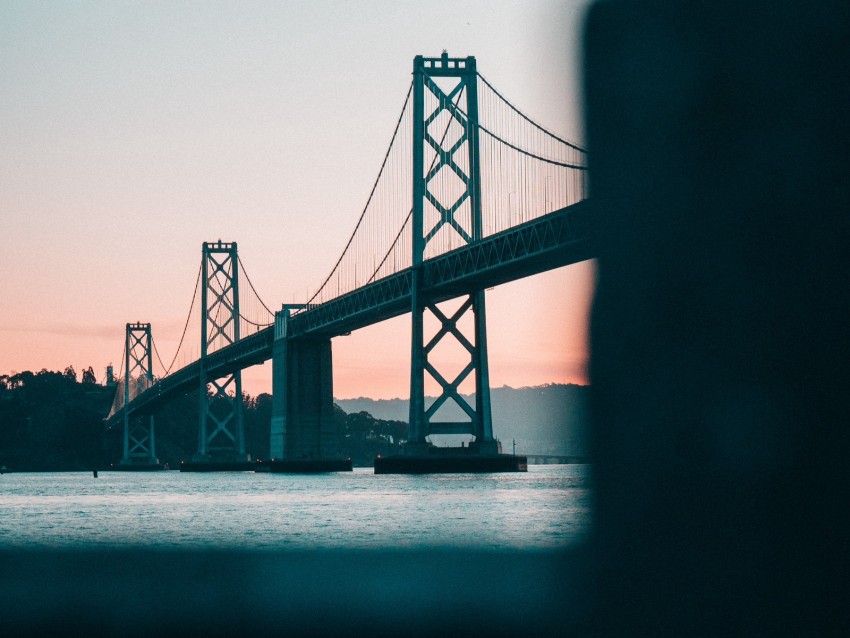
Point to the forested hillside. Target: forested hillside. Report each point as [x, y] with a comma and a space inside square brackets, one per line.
[51, 421]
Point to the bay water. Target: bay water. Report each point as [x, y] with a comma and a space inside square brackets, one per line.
[549, 507]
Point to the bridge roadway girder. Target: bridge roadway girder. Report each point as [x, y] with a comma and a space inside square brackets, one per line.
[554, 240]
[551, 241]
[248, 351]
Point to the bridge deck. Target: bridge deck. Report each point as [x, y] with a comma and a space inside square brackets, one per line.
[554, 240]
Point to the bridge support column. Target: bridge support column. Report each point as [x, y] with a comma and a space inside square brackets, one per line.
[304, 432]
[221, 433]
[139, 441]
[446, 214]
[441, 212]
[483, 429]
[277, 444]
[479, 420]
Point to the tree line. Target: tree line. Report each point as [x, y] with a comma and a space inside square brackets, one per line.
[53, 421]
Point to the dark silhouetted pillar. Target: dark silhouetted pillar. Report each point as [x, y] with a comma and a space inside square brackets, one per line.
[719, 177]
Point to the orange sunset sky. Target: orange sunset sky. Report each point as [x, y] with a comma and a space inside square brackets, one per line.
[131, 132]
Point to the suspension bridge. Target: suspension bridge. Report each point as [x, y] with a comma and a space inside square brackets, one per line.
[471, 193]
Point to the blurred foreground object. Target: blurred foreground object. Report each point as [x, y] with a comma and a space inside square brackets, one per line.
[718, 140]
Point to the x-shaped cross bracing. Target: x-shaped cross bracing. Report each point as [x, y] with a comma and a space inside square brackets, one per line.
[450, 389]
[222, 298]
[446, 158]
[221, 424]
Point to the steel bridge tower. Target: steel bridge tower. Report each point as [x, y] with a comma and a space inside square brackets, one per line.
[221, 434]
[139, 442]
[461, 157]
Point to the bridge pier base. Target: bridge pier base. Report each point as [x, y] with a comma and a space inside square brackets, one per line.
[429, 459]
[304, 433]
[422, 457]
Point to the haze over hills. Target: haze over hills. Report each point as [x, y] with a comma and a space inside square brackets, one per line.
[50, 421]
[547, 419]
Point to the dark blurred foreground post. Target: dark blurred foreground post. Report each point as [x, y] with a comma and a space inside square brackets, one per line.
[718, 135]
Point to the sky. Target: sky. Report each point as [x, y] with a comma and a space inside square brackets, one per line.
[131, 132]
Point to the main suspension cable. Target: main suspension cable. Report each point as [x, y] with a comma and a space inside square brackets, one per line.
[254, 290]
[517, 148]
[369, 200]
[156, 352]
[410, 213]
[186, 326]
[528, 119]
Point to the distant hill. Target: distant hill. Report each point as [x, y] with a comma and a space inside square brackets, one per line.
[547, 419]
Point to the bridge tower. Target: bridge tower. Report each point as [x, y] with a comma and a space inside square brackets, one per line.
[139, 442]
[221, 434]
[459, 155]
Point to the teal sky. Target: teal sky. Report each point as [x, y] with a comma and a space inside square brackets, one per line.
[131, 132]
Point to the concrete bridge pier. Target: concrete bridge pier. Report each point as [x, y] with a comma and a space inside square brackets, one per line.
[304, 434]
